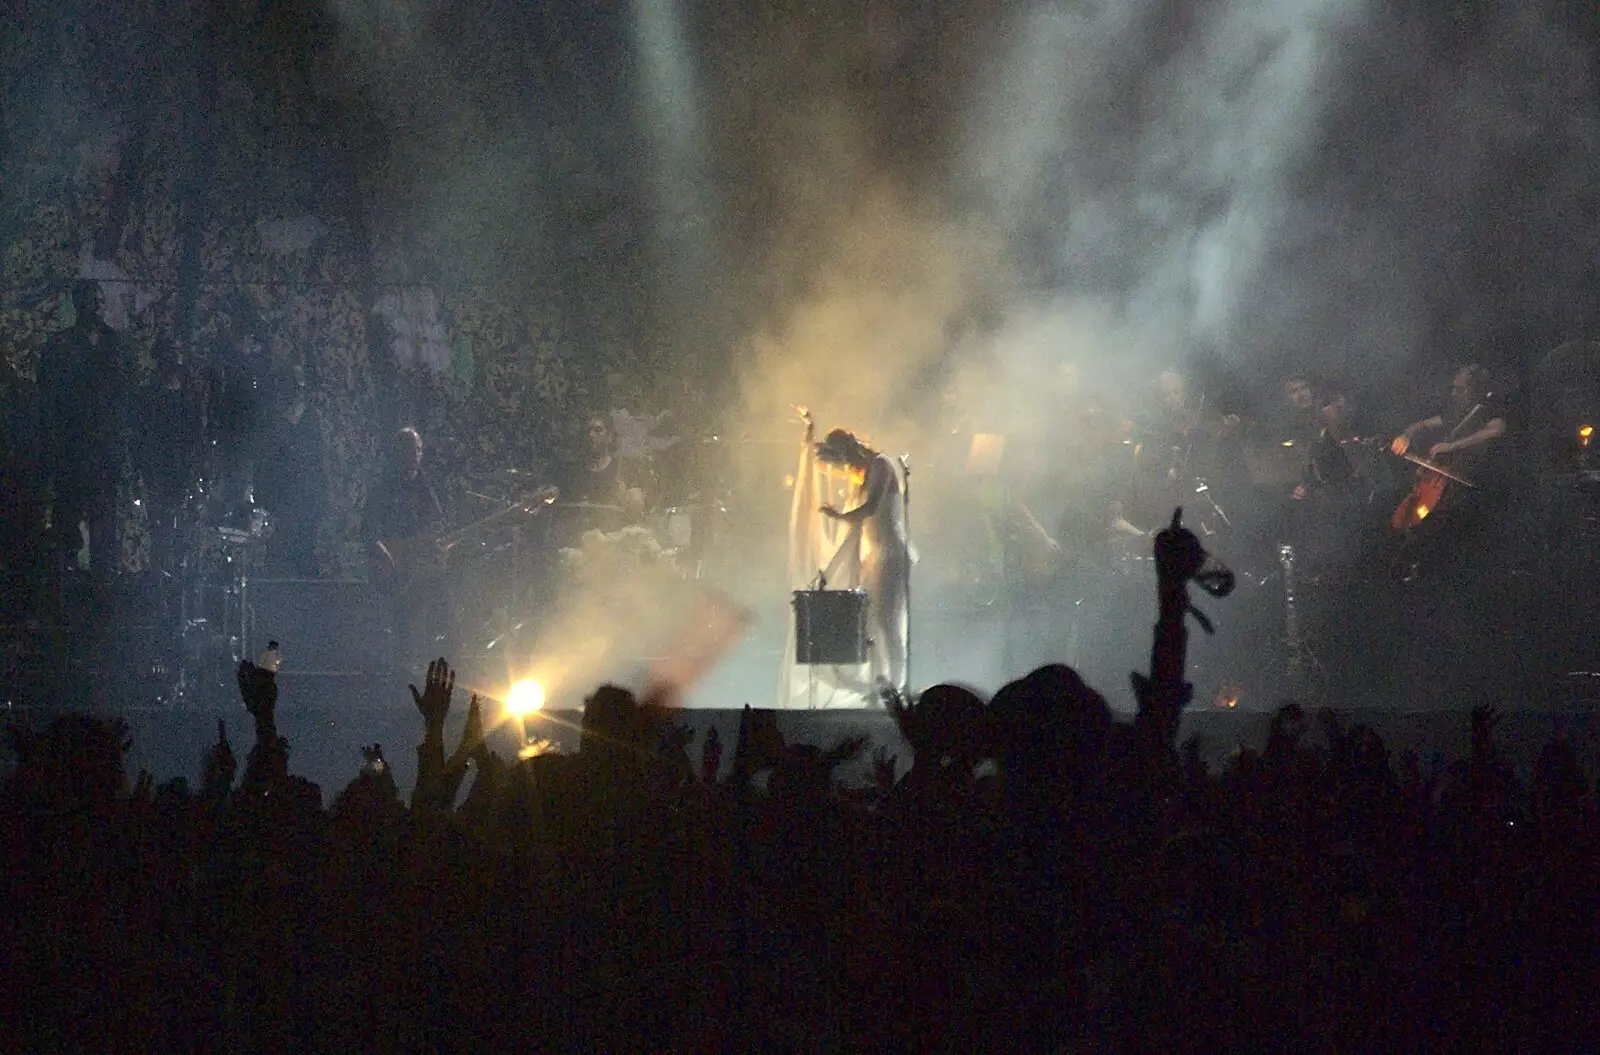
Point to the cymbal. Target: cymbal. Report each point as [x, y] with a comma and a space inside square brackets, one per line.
[600, 506]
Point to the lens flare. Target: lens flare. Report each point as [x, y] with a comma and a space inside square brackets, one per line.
[526, 697]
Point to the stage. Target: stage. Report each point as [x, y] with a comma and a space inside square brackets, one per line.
[1410, 658]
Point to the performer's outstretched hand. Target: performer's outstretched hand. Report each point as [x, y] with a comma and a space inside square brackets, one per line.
[830, 512]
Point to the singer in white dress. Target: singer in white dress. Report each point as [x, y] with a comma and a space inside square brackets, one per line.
[878, 523]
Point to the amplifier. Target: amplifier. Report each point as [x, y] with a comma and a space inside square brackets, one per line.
[830, 627]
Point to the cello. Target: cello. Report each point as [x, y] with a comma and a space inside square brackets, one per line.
[1433, 482]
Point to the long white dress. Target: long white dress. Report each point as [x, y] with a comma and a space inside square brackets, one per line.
[872, 554]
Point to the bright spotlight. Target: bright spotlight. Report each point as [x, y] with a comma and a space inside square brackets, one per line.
[526, 697]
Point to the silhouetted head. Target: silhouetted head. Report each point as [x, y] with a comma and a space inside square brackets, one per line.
[1288, 724]
[1469, 386]
[1051, 723]
[88, 302]
[841, 447]
[610, 723]
[950, 723]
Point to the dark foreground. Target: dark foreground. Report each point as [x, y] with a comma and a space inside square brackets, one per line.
[1027, 873]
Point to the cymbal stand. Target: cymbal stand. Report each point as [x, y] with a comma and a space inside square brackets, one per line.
[1203, 489]
[1299, 658]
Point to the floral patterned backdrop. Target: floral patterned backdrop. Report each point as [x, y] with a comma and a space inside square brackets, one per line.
[245, 240]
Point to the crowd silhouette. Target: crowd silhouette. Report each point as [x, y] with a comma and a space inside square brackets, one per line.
[1031, 876]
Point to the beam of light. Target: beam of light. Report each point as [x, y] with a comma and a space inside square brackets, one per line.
[670, 110]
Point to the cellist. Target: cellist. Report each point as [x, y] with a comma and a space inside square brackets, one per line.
[1474, 421]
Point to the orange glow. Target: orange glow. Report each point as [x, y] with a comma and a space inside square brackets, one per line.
[1422, 512]
[1584, 434]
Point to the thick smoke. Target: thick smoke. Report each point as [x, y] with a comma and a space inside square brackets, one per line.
[1348, 187]
[942, 205]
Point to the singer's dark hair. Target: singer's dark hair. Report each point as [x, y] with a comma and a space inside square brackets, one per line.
[842, 447]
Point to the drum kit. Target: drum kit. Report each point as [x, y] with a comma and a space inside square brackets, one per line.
[215, 550]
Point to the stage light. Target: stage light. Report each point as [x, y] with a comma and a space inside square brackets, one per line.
[536, 747]
[1585, 433]
[525, 698]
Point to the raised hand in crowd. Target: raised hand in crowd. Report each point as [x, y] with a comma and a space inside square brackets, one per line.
[433, 702]
[474, 745]
[268, 763]
[258, 687]
[1178, 552]
[710, 756]
[216, 778]
[1164, 692]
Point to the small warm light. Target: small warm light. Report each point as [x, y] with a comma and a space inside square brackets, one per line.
[788, 481]
[1288, 443]
[526, 697]
[1228, 697]
[1584, 435]
[1423, 511]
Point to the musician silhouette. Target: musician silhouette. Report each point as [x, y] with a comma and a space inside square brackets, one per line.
[402, 520]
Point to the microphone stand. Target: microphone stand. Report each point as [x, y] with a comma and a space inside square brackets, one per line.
[905, 503]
